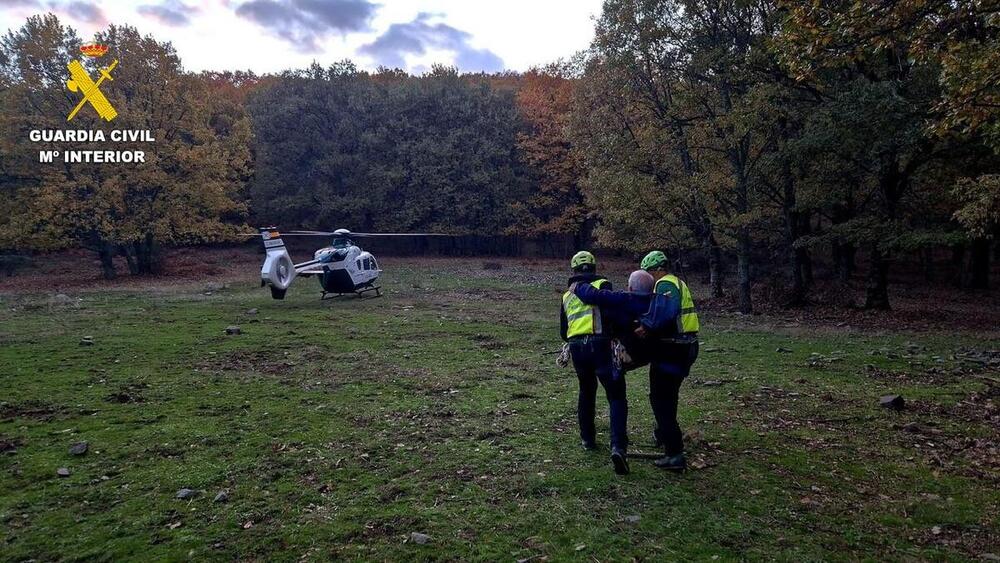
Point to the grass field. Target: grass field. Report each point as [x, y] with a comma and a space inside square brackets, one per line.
[340, 428]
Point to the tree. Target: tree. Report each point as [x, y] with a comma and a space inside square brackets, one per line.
[919, 81]
[555, 205]
[386, 151]
[672, 97]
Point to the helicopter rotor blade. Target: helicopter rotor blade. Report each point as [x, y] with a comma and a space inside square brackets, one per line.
[291, 234]
[350, 234]
[362, 235]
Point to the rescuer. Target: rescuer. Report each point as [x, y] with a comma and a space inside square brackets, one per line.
[671, 324]
[590, 348]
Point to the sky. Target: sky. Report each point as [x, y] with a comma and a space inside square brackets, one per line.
[273, 35]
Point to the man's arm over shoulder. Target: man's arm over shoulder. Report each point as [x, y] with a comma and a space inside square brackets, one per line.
[600, 297]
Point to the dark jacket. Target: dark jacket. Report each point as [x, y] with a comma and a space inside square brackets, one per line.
[622, 309]
[582, 279]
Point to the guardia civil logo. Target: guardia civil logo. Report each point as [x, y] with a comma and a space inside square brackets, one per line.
[80, 81]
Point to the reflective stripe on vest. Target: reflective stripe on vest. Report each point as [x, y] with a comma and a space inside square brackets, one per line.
[582, 319]
[687, 317]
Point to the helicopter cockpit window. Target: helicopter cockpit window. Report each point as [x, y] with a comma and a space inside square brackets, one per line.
[359, 263]
[341, 242]
[374, 263]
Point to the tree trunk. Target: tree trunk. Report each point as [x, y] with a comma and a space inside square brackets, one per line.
[979, 264]
[133, 268]
[743, 270]
[715, 271]
[106, 253]
[143, 256]
[148, 255]
[877, 294]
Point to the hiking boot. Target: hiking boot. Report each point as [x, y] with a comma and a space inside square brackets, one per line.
[620, 461]
[587, 445]
[672, 463]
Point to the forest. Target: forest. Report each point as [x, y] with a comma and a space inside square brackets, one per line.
[756, 140]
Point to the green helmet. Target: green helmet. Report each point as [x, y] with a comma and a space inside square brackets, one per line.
[653, 260]
[582, 258]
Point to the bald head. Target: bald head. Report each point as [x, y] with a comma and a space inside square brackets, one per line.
[640, 281]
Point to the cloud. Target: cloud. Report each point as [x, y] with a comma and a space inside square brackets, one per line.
[173, 13]
[78, 10]
[421, 34]
[304, 23]
[83, 11]
[22, 4]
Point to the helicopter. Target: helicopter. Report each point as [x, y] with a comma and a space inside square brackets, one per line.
[343, 267]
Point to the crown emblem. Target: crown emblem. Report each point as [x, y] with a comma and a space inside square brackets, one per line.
[93, 49]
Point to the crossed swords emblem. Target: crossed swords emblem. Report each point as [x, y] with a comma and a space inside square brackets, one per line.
[80, 81]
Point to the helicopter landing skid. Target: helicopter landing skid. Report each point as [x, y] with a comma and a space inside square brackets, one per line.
[358, 292]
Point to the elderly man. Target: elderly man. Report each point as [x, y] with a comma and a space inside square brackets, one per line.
[623, 310]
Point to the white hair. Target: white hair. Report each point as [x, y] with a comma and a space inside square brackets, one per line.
[640, 281]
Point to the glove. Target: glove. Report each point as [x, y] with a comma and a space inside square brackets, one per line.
[621, 359]
[563, 359]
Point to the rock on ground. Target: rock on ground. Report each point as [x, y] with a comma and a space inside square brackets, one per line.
[894, 402]
[417, 537]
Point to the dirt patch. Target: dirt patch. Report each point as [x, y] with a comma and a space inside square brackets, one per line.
[389, 527]
[482, 295]
[34, 410]
[975, 540]
[978, 407]
[932, 376]
[130, 393]
[958, 450]
[9, 445]
[488, 342]
[80, 269]
[257, 361]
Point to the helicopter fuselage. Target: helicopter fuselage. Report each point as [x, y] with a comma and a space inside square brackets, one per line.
[346, 269]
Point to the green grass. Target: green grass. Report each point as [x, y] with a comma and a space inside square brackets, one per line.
[340, 427]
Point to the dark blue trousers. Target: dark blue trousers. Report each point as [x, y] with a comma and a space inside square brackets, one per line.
[593, 363]
[666, 373]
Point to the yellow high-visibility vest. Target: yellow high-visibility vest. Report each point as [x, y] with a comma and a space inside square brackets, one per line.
[687, 318]
[582, 319]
